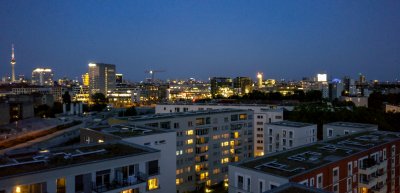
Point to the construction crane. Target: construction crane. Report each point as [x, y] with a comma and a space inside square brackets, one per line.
[152, 73]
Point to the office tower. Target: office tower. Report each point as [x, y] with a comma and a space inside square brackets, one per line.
[85, 79]
[101, 78]
[12, 64]
[42, 77]
[364, 162]
[322, 77]
[336, 88]
[118, 78]
[242, 85]
[259, 80]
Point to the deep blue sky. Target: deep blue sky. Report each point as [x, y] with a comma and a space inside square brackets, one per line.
[200, 39]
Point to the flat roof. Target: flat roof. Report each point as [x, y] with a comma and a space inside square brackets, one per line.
[186, 114]
[132, 130]
[350, 124]
[295, 161]
[290, 124]
[39, 161]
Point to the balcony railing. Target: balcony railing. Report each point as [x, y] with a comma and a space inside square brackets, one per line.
[368, 183]
[120, 183]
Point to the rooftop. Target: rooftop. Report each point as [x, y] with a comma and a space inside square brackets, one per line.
[290, 124]
[20, 163]
[129, 130]
[295, 161]
[350, 124]
[185, 114]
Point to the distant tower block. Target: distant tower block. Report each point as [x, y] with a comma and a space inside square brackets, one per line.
[259, 80]
[12, 64]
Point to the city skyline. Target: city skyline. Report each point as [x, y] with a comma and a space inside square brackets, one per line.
[287, 40]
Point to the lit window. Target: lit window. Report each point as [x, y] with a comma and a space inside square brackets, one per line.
[189, 141]
[152, 184]
[190, 132]
[224, 160]
[236, 135]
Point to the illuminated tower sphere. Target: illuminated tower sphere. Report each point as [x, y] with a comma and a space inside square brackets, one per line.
[259, 80]
[12, 64]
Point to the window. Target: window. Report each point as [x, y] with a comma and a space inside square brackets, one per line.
[349, 168]
[290, 134]
[290, 143]
[260, 129]
[152, 184]
[330, 132]
[189, 132]
[346, 132]
[240, 181]
[259, 123]
[349, 184]
[336, 188]
[200, 121]
[102, 177]
[311, 182]
[234, 117]
[61, 185]
[319, 181]
[242, 116]
[261, 186]
[283, 133]
[189, 141]
[335, 174]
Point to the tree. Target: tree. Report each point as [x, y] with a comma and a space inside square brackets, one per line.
[66, 98]
[131, 111]
[99, 102]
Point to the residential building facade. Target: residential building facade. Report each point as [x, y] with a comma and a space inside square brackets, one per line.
[360, 163]
[336, 129]
[262, 114]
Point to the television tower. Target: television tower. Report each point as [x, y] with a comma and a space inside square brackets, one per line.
[12, 64]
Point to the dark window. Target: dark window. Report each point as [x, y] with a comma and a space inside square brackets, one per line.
[152, 167]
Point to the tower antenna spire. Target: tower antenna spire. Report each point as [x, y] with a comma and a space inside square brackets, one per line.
[12, 64]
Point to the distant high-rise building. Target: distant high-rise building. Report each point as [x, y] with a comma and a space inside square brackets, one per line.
[118, 78]
[362, 79]
[101, 78]
[42, 77]
[85, 79]
[12, 64]
[243, 85]
[322, 77]
[259, 80]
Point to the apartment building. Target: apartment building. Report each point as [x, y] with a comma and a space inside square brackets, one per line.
[206, 142]
[366, 162]
[285, 135]
[336, 129]
[107, 167]
[162, 140]
[262, 114]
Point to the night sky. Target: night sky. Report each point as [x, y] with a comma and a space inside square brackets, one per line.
[201, 39]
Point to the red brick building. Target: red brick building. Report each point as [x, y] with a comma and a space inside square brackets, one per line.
[362, 163]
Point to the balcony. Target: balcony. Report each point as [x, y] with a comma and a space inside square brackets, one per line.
[379, 188]
[371, 182]
[120, 183]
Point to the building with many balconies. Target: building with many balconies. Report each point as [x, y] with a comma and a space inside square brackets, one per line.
[206, 142]
[262, 114]
[107, 167]
[366, 162]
